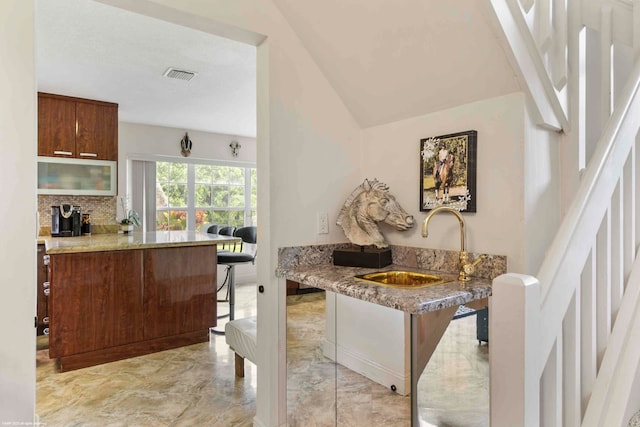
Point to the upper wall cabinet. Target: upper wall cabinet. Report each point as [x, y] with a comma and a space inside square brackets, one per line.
[77, 128]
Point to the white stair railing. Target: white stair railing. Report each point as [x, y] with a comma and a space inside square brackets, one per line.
[537, 38]
[615, 397]
[562, 352]
[549, 334]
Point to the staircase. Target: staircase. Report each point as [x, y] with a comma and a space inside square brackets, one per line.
[564, 345]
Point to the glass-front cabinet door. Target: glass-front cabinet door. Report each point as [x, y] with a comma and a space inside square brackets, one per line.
[79, 177]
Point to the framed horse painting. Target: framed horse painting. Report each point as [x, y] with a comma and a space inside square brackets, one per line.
[448, 171]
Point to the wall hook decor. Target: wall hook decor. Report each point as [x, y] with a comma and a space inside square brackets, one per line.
[235, 148]
[185, 145]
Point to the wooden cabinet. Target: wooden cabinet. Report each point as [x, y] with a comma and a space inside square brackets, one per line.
[97, 131]
[77, 128]
[178, 292]
[96, 301]
[56, 126]
[111, 305]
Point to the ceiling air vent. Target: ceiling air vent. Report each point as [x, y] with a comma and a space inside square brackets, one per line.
[174, 73]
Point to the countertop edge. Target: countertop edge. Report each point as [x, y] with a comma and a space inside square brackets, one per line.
[413, 301]
[120, 242]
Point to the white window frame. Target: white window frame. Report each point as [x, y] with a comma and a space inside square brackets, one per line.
[148, 178]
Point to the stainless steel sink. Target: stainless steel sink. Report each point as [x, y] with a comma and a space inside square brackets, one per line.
[401, 279]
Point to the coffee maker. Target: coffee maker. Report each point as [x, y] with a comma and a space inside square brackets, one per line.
[65, 221]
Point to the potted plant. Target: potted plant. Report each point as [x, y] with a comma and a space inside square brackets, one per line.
[130, 218]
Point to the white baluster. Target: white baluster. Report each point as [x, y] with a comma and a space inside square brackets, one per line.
[635, 229]
[636, 29]
[606, 64]
[551, 387]
[617, 233]
[630, 208]
[558, 57]
[572, 413]
[603, 287]
[588, 330]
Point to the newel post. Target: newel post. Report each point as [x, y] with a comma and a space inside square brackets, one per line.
[514, 331]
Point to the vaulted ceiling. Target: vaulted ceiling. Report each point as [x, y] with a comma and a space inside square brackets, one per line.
[391, 60]
[387, 60]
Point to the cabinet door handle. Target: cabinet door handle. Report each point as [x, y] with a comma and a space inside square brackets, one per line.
[47, 291]
[63, 153]
[88, 155]
[46, 320]
[45, 259]
[45, 285]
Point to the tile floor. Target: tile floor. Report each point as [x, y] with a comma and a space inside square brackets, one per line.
[196, 385]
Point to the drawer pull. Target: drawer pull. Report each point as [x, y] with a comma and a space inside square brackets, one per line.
[88, 155]
[46, 285]
[63, 153]
[45, 259]
[45, 331]
[47, 292]
[46, 320]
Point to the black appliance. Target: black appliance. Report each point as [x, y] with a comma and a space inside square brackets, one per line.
[65, 221]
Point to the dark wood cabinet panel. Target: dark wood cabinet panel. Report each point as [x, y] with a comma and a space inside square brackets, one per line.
[106, 306]
[180, 290]
[96, 301]
[77, 127]
[97, 136]
[56, 127]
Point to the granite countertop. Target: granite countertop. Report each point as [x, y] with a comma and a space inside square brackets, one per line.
[414, 301]
[312, 266]
[135, 240]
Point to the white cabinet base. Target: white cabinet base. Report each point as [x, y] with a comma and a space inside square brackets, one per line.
[372, 340]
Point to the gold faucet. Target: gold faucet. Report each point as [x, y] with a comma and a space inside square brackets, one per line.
[466, 267]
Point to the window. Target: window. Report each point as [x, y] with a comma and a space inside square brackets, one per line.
[188, 195]
[171, 196]
[220, 195]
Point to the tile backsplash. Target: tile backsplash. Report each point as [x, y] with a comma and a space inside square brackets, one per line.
[101, 208]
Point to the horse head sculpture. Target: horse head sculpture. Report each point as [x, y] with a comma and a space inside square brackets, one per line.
[367, 205]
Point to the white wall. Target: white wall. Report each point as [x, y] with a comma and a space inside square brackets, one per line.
[18, 209]
[308, 148]
[140, 140]
[542, 191]
[391, 154]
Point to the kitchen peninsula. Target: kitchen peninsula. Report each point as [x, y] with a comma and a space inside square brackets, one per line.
[114, 296]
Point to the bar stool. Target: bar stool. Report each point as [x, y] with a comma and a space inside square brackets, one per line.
[247, 254]
[224, 230]
[221, 230]
[209, 228]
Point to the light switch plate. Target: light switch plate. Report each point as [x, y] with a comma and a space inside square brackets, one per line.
[323, 223]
